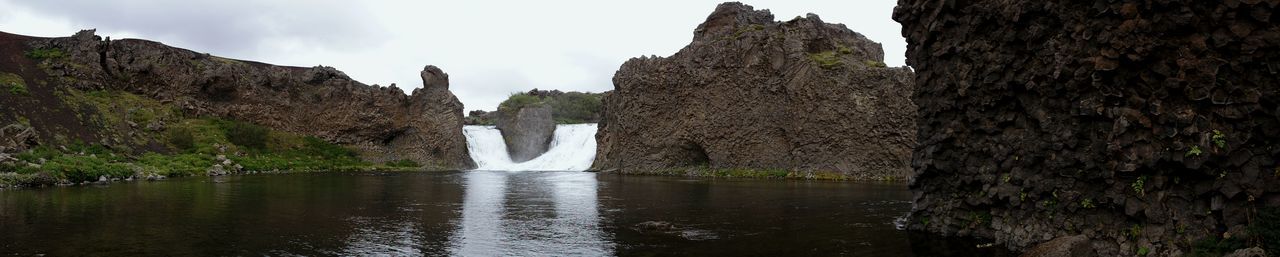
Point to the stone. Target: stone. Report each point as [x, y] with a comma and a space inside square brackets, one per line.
[1067, 246]
[528, 131]
[1250, 252]
[1168, 135]
[750, 92]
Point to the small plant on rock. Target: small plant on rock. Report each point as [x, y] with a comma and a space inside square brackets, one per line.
[1219, 139]
[1194, 151]
[1139, 186]
[1087, 203]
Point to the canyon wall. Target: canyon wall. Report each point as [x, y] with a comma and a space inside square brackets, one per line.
[1144, 126]
[382, 123]
[801, 96]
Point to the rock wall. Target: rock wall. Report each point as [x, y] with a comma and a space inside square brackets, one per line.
[527, 131]
[1142, 125]
[383, 123]
[750, 92]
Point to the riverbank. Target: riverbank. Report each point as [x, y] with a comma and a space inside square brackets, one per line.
[749, 173]
[153, 140]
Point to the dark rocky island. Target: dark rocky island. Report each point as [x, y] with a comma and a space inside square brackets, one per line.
[1145, 127]
[528, 119]
[127, 98]
[757, 97]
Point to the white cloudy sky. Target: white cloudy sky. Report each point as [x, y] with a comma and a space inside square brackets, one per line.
[489, 48]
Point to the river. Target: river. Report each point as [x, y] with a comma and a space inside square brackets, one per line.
[476, 213]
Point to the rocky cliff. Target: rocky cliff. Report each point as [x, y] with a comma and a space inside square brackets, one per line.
[382, 123]
[1149, 127]
[527, 131]
[802, 96]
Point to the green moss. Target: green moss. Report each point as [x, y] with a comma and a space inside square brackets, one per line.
[404, 164]
[844, 49]
[14, 84]
[827, 60]
[45, 53]
[874, 63]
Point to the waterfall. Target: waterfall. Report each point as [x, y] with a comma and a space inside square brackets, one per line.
[572, 149]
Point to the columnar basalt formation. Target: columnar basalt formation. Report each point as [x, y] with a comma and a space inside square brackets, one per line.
[1141, 125]
[382, 123]
[749, 92]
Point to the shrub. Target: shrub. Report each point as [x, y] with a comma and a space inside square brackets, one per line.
[576, 107]
[181, 138]
[519, 100]
[245, 134]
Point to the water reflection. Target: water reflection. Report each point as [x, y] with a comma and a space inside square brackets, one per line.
[464, 214]
[530, 213]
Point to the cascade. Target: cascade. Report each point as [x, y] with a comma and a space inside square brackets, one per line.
[573, 148]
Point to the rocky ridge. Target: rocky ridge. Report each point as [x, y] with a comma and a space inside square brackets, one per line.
[801, 96]
[1144, 126]
[382, 123]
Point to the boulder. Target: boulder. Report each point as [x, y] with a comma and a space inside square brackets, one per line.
[1067, 246]
[528, 131]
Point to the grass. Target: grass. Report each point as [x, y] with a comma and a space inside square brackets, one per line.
[13, 83]
[566, 108]
[874, 63]
[194, 145]
[827, 60]
[45, 53]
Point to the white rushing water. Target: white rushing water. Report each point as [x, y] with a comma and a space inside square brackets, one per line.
[572, 149]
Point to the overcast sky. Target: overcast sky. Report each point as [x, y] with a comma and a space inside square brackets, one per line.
[489, 48]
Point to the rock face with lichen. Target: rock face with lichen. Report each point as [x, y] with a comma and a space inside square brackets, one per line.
[1141, 125]
[382, 123]
[751, 92]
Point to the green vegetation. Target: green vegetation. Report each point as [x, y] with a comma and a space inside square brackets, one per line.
[1139, 186]
[195, 145]
[45, 53]
[1264, 231]
[1219, 139]
[833, 59]
[827, 60]
[404, 164]
[1194, 151]
[1144, 251]
[13, 83]
[566, 107]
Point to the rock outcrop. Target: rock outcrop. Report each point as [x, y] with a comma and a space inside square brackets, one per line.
[382, 123]
[527, 131]
[1142, 125]
[753, 93]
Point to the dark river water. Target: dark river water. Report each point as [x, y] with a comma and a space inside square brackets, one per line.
[465, 214]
